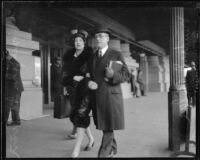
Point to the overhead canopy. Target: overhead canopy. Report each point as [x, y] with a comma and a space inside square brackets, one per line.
[153, 46]
[120, 31]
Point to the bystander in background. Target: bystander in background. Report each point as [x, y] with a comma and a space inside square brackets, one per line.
[191, 80]
[135, 88]
[56, 78]
[141, 82]
[13, 89]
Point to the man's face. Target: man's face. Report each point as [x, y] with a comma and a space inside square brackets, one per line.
[193, 66]
[59, 62]
[101, 39]
[8, 57]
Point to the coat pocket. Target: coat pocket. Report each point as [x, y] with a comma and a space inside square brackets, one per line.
[116, 90]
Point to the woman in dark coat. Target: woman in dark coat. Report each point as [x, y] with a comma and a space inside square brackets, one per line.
[76, 79]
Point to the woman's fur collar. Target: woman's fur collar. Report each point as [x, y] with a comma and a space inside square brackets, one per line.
[86, 51]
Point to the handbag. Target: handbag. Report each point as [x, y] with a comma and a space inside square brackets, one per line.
[62, 107]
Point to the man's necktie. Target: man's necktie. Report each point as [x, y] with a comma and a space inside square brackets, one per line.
[100, 53]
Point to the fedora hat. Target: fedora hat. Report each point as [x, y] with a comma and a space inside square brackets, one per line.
[192, 63]
[57, 59]
[102, 29]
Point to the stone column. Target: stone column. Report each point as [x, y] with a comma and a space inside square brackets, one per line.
[131, 63]
[164, 62]
[115, 44]
[125, 48]
[20, 45]
[144, 67]
[155, 74]
[177, 101]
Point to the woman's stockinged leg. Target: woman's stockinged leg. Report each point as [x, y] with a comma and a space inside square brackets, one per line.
[74, 130]
[80, 136]
[89, 135]
[90, 138]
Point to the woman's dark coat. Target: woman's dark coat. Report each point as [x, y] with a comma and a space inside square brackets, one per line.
[74, 66]
[79, 91]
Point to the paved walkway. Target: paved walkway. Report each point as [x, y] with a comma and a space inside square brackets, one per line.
[145, 134]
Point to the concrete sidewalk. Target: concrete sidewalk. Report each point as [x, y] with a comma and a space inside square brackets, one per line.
[145, 134]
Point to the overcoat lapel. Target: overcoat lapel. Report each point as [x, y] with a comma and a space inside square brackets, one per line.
[101, 62]
[105, 59]
[94, 63]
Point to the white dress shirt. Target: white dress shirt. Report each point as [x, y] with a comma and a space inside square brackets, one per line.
[103, 51]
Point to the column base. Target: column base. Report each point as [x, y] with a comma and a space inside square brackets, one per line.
[31, 104]
[156, 87]
[126, 90]
[155, 79]
[166, 86]
[177, 106]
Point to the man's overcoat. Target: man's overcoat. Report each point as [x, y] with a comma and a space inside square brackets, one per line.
[107, 104]
[191, 79]
[13, 81]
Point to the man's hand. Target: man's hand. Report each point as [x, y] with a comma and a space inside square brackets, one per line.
[78, 78]
[92, 85]
[109, 72]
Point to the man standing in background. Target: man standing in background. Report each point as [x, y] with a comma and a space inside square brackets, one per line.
[191, 85]
[56, 78]
[141, 82]
[135, 88]
[13, 89]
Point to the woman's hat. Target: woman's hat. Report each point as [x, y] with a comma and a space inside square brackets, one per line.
[79, 33]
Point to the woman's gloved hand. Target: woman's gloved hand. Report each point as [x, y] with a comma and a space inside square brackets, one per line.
[92, 85]
[78, 78]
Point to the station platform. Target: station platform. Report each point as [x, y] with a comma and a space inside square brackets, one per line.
[145, 133]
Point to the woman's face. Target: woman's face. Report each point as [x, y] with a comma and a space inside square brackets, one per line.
[79, 43]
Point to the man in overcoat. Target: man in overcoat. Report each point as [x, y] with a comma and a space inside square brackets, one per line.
[13, 89]
[56, 78]
[191, 80]
[141, 82]
[107, 104]
[135, 88]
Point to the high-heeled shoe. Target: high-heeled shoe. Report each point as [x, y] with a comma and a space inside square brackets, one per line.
[112, 154]
[89, 147]
[72, 136]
